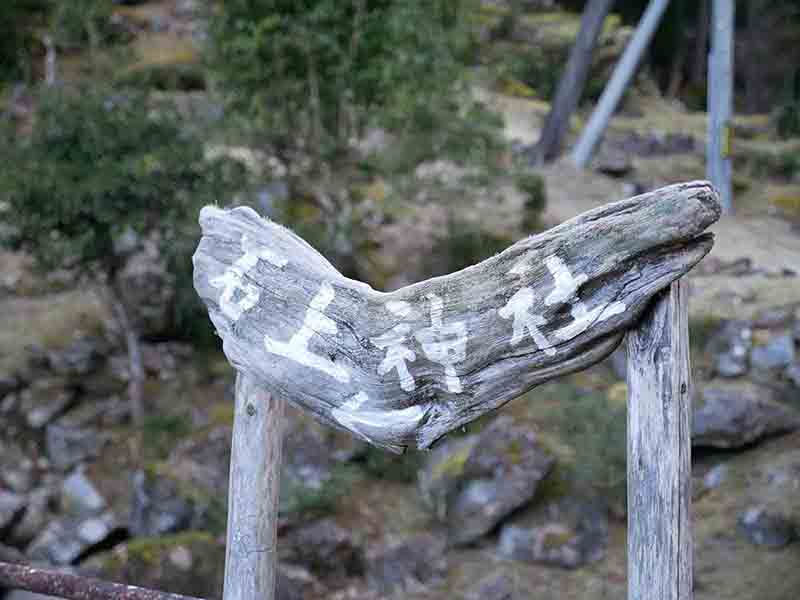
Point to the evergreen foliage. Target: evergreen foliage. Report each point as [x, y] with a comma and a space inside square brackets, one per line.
[100, 163]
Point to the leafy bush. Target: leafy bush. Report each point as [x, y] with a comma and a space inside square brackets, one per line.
[100, 163]
[787, 119]
[83, 24]
[17, 40]
[315, 73]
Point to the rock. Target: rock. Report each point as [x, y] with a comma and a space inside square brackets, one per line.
[732, 415]
[65, 540]
[10, 555]
[407, 565]
[190, 563]
[715, 476]
[295, 583]
[36, 516]
[778, 316]
[16, 468]
[775, 483]
[727, 562]
[567, 533]
[765, 529]
[146, 289]
[157, 508]
[730, 347]
[69, 446]
[44, 401]
[311, 452]
[79, 358]
[473, 483]
[613, 164]
[654, 144]
[12, 507]
[79, 496]
[778, 353]
[494, 587]
[325, 548]
[8, 384]
[793, 374]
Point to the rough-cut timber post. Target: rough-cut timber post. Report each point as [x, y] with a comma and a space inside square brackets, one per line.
[620, 79]
[404, 368]
[659, 451]
[250, 554]
[720, 101]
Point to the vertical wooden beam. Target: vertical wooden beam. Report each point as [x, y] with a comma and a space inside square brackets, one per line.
[250, 555]
[720, 101]
[572, 82]
[659, 451]
[623, 73]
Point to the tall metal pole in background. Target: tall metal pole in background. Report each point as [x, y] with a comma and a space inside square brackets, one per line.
[623, 73]
[720, 101]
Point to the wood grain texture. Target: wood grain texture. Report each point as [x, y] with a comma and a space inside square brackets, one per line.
[659, 451]
[250, 553]
[406, 367]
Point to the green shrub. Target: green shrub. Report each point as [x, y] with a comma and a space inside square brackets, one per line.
[78, 24]
[381, 464]
[533, 186]
[787, 119]
[18, 21]
[101, 162]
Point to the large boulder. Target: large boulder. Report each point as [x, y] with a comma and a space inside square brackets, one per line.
[735, 414]
[569, 533]
[407, 565]
[324, 547]
[473, 483]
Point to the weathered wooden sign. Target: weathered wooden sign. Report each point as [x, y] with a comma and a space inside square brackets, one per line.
[405, 367]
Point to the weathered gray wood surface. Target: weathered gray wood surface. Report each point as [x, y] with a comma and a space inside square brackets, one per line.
[250, 553]
[406, 367]
[659, 451]
[719, 162]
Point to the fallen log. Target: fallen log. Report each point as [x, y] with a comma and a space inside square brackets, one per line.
[406, 367]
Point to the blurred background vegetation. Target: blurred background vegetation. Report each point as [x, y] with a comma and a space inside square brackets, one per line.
[396, 137]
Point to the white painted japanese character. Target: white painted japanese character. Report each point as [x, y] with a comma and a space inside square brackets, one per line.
[518, 308]
[397, 353]
[315, 322]
[445, 344]
[237, 294]
[566, 290]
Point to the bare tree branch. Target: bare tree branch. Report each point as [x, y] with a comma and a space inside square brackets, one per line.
[75, 587]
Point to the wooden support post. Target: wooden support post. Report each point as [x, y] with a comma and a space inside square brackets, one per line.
[659, 451]
[720, 102]
[250, 555]
[623, 73]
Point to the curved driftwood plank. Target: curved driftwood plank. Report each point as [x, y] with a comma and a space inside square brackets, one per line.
[408, 366]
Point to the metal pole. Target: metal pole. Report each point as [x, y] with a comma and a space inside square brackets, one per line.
[250, 555]
[623, 73]
[659, 451]
[720, 102]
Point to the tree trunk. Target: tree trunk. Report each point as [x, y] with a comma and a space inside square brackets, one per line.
[134, 349]
[573, 81]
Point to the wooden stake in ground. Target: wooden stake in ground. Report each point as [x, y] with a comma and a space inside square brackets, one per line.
[659, 451]
[250, 554]
[720, 101]
[572, 82]
[622, 76]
